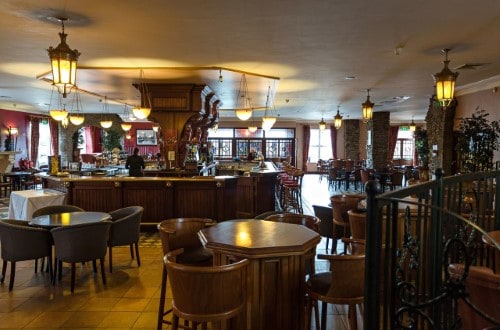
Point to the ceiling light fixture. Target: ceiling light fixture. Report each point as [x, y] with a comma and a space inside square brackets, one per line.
[105, 122]
[221, 78]
[77, 118]
[156, 127]
[243, 108]
[413, 127]
[126, 126]
[337, 119]
[268, 120]
[60, 112]
[143, 110]
[445, 82]
[63, 60]
[322, 124]
[367, 108]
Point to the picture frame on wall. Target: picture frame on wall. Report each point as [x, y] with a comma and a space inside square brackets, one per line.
[146, 137]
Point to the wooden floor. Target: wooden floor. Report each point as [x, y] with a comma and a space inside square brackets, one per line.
[129, 300]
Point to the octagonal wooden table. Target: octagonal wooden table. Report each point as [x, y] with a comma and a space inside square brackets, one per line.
[276, 273]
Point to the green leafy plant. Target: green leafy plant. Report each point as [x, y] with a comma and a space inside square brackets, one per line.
[477, 141]
[112, 139]
[422, 146]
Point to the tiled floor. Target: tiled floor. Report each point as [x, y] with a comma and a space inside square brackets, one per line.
[130, 298]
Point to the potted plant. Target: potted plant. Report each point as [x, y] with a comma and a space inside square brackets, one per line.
[477, 141]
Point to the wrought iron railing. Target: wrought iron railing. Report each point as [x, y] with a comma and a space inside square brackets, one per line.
[413, 235]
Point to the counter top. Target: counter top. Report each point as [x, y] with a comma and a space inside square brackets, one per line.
[72, 178]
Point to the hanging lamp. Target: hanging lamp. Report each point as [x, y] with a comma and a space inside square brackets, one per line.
[322, 125]
[105, 122]
[77, 117]
[445, 82]
[143, 110]
[63, 61]
[57, 112]
[413, 127]
[367, 108]
[268, 120]
[125, 125]
[337, 120]
[243, 108]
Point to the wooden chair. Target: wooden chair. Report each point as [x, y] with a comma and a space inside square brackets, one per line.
[80, 243]
[181, 234]
[324, 213]
[21, 242]
[483, 287]
[396, 180]
[5, 186]
[125, 228]
[206, 294]
[340, 205]
[343, 285]
[357, 222]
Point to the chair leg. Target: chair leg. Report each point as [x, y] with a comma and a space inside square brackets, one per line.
[73, 271]
[137, 254]
[103, 273]
[132, 251]
[110, 255]
[4, 269]
[323, 315]
[94, 265]
[36, 265]
[353, 319]
[175, 322]
[161, 308]
[12, 274]
[327, 241]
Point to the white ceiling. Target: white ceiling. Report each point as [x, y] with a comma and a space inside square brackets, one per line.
[304, 50]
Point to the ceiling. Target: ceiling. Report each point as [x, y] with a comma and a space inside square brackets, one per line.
[315, 56]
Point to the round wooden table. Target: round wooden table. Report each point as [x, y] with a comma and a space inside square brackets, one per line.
[68, 219]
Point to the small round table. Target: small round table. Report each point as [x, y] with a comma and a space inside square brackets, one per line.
[68, 219]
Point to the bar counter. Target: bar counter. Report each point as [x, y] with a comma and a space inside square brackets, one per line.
[215, 197]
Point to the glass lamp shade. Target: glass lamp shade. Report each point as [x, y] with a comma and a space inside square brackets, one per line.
[141, 113]
[445, 83]
[106, 123]
[156, 128]
[337, 120]
[76, 119]
[13, 130]
[64, 122]
[322, 125]
[413, 127]
[244, 114]
[268, 122]
[126, 126]
[63, 60]
[58, 114]
[368, 109]
[252, 129]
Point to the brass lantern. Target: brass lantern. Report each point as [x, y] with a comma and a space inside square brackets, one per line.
[337, 120]
[368, 108]
[445, 83]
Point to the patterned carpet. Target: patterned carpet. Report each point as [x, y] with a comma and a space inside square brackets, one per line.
[149, 238]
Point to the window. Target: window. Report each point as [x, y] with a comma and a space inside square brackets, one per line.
[404, 145]
[44, 144]
[320, 145]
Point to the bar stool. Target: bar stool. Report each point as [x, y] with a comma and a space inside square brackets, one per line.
[293, 192]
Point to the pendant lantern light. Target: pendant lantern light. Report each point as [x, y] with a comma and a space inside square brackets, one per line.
[445, 83]
[337, 119]
[367, 108]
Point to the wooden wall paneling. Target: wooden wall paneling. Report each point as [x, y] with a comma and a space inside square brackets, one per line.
[227, 199]
[264, 193]
[245, 198]
[195, 200]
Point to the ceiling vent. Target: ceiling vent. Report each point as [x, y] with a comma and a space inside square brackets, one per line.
[396, 99]
[471, 66]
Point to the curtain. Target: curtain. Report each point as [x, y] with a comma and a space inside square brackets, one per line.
[393, 139]
[54, 136]
[305, 146]
[93, 139]
[35, 139]
[333, 137]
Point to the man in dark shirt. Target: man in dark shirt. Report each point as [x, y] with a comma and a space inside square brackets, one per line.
[135, 164]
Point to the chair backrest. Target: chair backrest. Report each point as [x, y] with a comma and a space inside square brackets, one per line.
[397, 178]
[207, 293]
[357, 221]
[310, 221]
[19, 241]
[324, 213]
[125, 225]
[83, 242]
[365, 176]
[348, 277]
[343, 203]
[181, 232]
[54, 209]
[266, 214]
[354, 246]
[483, 286]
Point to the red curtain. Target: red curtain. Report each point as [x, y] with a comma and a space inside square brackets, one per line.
[93, 138]
[54, 136]
[35, 139]
[333, 137]
[305, 146]
[393, 139]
